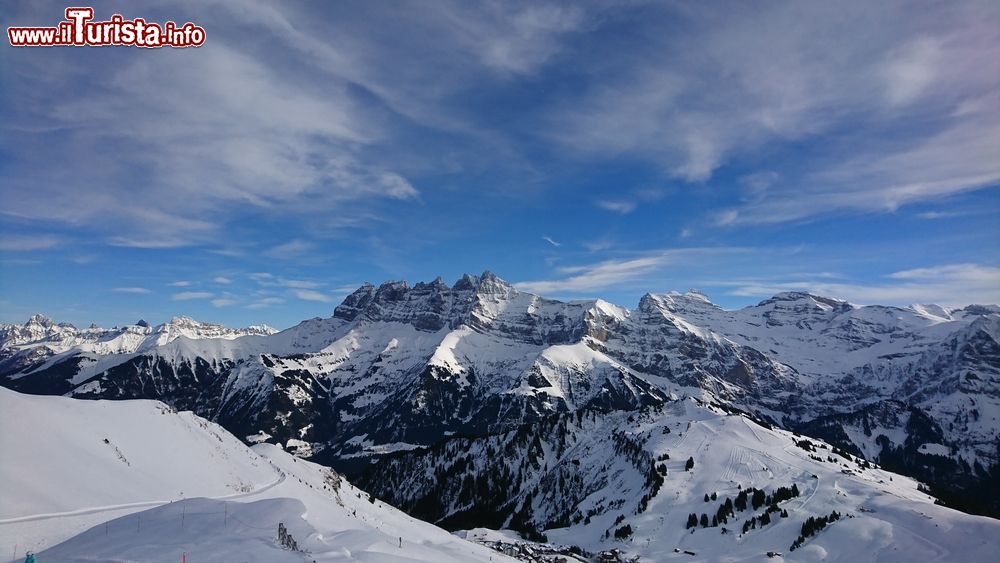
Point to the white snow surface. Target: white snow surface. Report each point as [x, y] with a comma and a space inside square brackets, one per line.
[167, 484]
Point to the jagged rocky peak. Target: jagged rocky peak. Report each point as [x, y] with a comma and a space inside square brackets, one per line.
[604, 309]
[436, 285]
[467, 282]
[140, 322]
[669, 304]
[182, 324]
[693, 299]
[490, 284]
[391, 291]
[487, 283]
[797, 300]
[486, 303]
[184, 320]
[40, 320]
[426, 305]
[355, 303]
[195, 329]
[982, 309]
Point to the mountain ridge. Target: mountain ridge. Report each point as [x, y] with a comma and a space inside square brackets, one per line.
[399, 368]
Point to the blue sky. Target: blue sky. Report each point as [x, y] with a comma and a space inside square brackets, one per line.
[577, 149]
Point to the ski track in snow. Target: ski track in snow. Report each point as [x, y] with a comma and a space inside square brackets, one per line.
[145, 504]
[751, 427]
[943, 553]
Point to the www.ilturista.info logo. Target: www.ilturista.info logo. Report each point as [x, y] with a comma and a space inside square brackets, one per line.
[78, 30]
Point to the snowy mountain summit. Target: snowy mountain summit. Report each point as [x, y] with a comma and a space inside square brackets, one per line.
[399, 371]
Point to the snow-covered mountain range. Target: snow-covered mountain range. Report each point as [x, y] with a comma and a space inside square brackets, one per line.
[41, 337]
[401, 369]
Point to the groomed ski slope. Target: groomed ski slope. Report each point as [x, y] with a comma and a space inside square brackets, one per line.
[168, 483]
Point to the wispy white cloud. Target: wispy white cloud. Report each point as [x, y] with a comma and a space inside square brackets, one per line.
[84, 259]
[222, 280]
[727, 217]
[620, 207]
[265, 302]
[516, 39]
[311, 295]
[955, 160]
[148, 242]
[593, 277]
[936, 215]
[180, 283]
[265, 279]
[641, 270]
[136, 290]
[974, 273]
[959, 212]
[549, 240]
[949, 284]
[599, 245]
[761, 77]
[911, 69]
[215, 152]
[188, 295]
[223, 302]
[27, 243]
[290, 249]
[298, 284]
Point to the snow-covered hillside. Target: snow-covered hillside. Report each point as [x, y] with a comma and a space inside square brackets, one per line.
[134, 480]
[631, 481]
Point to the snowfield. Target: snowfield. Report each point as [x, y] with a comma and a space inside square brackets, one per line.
[171, 483]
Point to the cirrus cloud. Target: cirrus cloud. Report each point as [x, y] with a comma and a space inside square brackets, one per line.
[189, 295]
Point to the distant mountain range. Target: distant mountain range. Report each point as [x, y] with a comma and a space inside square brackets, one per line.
[399, 374]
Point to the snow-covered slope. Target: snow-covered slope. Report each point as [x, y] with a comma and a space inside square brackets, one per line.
[605, 481]
[134, 480]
